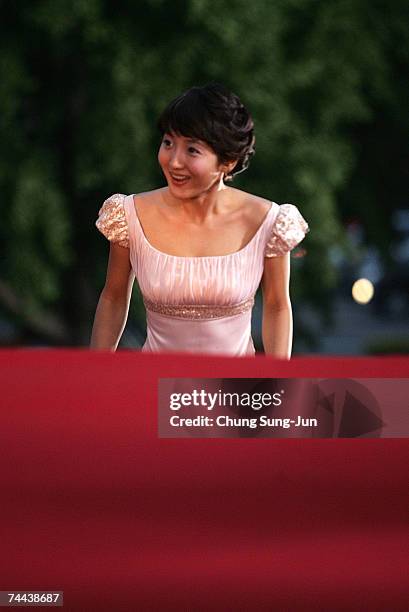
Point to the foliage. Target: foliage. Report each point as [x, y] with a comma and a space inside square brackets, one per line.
[84, 82]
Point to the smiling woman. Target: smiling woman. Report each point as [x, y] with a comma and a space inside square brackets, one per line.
[198, 247]
[197, 158]
[214, 120]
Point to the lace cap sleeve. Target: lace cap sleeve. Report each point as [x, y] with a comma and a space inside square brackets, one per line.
[288, 230]
[112, 220]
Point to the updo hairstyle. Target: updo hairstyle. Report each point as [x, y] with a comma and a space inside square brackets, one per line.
[215, 115]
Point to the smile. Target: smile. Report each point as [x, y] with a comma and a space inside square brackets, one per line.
[179, 180]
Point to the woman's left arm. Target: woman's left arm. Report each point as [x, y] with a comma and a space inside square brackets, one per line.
[277, 325]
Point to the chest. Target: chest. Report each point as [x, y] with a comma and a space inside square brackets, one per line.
[180, 238]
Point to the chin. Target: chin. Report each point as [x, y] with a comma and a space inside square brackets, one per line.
[178, 192]
[185, 192]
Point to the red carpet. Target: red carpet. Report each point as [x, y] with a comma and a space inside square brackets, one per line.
[94, 504]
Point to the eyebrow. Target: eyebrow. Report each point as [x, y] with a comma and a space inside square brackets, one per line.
[195, 140]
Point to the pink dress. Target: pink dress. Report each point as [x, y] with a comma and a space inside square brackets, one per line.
[200, 304]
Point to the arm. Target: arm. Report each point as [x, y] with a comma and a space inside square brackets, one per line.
[277, 324]
[113, 304]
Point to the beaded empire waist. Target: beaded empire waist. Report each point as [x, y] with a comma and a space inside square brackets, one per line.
[199, 311]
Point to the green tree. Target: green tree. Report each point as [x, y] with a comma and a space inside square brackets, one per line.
[84, 82]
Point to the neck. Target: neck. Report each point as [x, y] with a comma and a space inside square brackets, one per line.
[198, 208]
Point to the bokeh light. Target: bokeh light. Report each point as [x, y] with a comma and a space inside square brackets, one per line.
[362, 291]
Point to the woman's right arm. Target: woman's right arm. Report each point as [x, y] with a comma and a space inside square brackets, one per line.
[113, 305]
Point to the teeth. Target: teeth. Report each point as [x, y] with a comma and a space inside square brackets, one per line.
[178, 177]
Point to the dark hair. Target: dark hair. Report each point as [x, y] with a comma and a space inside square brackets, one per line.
[215, 115]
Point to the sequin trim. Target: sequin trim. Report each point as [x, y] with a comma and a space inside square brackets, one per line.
[112, 220]
[289, 229]
[198, 311]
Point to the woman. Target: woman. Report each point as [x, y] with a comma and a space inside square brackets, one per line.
[198, 247]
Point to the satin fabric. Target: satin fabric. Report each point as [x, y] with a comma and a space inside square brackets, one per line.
[200, 304]
[214, 280]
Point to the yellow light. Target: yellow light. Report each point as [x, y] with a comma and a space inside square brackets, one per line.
[362, 291]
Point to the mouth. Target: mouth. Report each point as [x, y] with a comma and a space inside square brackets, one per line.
[179, 179]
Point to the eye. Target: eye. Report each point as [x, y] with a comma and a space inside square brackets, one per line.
[192, 149]
[166, 142]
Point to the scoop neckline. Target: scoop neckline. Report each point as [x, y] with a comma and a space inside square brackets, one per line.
[198, 257]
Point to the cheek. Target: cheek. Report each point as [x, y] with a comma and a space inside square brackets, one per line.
[162, 157]
[203, 167]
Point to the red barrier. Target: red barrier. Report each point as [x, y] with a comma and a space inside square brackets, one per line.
[95, 504]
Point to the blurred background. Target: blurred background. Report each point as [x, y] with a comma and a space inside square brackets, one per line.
[82, 85]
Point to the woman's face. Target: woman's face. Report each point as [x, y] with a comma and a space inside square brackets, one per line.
[190, 166]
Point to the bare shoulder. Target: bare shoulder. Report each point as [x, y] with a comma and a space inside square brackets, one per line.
[253, 206]
[148, 197]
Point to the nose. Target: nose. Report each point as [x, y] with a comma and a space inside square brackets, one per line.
[176, 160]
